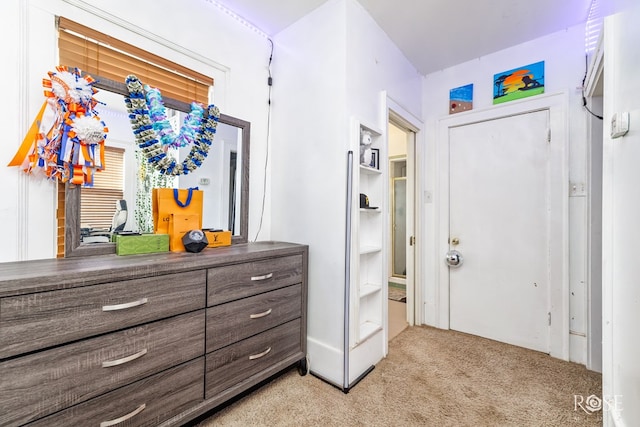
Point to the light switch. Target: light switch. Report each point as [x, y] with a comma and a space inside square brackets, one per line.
[619, 124]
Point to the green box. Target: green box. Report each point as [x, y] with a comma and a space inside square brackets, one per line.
[141, 244]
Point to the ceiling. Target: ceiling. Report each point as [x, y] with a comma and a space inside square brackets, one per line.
[436, 34]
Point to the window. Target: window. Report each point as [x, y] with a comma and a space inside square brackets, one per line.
[98, 203]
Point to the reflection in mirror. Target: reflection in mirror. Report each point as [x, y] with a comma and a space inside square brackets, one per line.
[223, 178]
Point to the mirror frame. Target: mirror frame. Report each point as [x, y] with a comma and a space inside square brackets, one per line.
[72, 243]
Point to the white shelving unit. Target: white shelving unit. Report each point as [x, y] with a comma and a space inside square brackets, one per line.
[369, 256]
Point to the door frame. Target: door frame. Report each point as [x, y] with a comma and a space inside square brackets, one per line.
[594, 90]
[557, 105]
[393, 111]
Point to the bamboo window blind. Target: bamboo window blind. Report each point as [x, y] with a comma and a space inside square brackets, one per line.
[97, 203]
[103, 56]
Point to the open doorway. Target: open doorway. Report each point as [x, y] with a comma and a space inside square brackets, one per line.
[401, 146]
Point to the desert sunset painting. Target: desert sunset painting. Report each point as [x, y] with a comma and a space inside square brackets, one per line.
[518, 83]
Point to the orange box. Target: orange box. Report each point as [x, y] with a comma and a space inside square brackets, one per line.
[218, 238]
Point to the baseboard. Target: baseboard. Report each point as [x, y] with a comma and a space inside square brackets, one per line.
[325, 362]
[429, 316]
[578, 348]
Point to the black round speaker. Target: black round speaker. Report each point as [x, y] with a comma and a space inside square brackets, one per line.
[194, 241]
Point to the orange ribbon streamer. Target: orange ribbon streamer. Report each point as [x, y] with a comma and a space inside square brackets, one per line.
[51, 143]
[28, 141]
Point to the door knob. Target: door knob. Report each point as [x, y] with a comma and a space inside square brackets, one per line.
[453, 259]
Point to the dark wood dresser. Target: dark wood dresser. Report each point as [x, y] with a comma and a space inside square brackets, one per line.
[147, 340]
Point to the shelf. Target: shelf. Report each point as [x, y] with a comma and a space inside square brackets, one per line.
[370, 170]
[369, 232]
[369, 249]
[374, 130]
[370, 210]
[368, 329]
[369, 289]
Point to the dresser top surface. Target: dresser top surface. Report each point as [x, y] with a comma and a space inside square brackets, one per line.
[24, 277]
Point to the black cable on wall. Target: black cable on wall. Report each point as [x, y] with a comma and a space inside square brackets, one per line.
[584, 98]
[266, 157]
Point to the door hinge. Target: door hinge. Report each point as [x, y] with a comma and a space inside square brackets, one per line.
[549, 318]
[412, 241]
[549, 135]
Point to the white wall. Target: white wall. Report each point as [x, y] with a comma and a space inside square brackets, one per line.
[216, 168]
[308, 167]
[329, 66]
[564, 57]
[621, 210]
[375, 64]
[195, 34]
[120, 136]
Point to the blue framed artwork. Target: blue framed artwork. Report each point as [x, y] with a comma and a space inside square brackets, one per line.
[461, 99]
[518, 83]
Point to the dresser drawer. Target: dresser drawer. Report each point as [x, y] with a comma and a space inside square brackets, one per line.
[237, 320]
[77, 372]
[233, 364]
[34, 321]
[147, 402]
[237, 281]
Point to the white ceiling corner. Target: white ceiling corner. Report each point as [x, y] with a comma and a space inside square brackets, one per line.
[436, 34]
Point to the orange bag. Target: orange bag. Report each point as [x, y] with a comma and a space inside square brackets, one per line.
[169, 201]
[179, 225]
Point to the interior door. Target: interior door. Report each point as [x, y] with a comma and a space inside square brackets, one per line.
[499, 222]
[411, 227]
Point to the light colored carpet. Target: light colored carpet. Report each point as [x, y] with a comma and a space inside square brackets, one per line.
[431, 377]
[397, 292]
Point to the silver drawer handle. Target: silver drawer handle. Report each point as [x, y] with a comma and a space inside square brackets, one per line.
[116, 362]
[124, 306]
[259, 315]
[263, 277]
[124, 417]
[259, 355]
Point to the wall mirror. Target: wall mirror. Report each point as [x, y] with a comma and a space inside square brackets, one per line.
[223, 177]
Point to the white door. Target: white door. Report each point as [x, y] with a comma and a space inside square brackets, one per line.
[499, 222]
[411, 229]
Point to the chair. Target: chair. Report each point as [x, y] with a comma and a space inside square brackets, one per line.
[103, 235]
